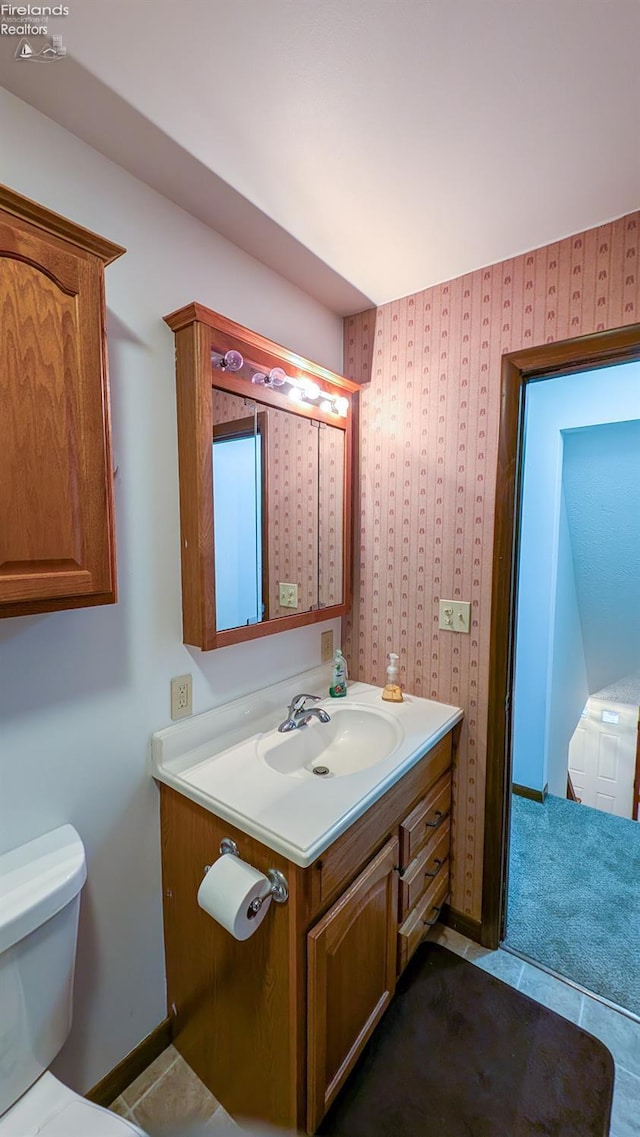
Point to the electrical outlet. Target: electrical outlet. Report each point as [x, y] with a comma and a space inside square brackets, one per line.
[455, 615]
[288, 595]
[181, 697]
[326, 646]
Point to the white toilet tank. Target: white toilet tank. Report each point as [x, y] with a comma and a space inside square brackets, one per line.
[40, 885]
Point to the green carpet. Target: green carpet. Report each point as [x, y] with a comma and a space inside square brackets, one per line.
[574, 895]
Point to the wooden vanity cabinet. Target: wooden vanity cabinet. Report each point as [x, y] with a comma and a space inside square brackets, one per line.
[275, 1024]
[57, 538]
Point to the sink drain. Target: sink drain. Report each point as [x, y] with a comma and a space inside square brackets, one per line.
[321, 771]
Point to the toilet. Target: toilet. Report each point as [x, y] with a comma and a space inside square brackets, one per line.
[40, 885]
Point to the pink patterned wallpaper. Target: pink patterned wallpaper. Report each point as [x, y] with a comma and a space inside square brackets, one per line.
[293, 509]
[428, 450]
[330, 514]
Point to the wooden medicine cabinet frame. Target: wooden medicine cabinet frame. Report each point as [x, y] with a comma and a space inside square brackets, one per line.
[200, 332]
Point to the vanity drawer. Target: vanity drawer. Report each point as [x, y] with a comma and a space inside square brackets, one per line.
[422, 917]
[428, 815]
[424, 868]
[338, 866]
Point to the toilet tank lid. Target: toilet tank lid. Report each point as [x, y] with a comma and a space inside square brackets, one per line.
[37, 880]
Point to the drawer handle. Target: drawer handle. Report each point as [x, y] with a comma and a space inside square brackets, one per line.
[437, 909]
[435, 824]
[438, 864]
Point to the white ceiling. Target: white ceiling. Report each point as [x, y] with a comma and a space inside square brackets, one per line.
[364, 148]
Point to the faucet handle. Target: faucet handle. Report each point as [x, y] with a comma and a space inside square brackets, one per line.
[298, 702]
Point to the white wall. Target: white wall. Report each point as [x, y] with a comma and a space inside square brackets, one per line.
[569, 687]
[610, 394]
[81, 692]
[601, 479]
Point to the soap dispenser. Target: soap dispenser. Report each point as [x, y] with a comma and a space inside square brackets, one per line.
[393, 692]
[338, 688]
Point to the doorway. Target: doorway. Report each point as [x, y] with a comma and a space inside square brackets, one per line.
[520, 368]
[573, 867]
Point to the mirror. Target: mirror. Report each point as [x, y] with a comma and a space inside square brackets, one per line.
[278, 511]
[265, 458]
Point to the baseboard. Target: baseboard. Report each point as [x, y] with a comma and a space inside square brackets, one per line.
[533, 795]
[466, 925]
[132, 1065]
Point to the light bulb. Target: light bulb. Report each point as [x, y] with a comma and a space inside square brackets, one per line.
[277, 377]
[295, 394]
[230, 361]
[327, 406]
[342, 406]
[310, 389]
[259, 377]
[233, 360]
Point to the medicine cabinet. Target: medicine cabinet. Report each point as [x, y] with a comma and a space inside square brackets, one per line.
[265, 465]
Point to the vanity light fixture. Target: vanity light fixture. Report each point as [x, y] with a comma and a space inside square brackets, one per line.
[299, 390]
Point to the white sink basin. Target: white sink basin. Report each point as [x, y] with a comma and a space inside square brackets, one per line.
[233, 761]
[356, 738]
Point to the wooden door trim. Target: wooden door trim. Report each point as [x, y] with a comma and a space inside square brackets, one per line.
[601, 349]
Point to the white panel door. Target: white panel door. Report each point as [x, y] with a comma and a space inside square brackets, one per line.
[602, 755]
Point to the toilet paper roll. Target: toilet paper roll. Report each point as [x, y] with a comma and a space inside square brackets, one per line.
[228, 891]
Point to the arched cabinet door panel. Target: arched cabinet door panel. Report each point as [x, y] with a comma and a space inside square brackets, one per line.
[351, 960]
[57, 539]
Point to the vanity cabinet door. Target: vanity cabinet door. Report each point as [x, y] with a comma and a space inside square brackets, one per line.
[351, 961]
[57, 545]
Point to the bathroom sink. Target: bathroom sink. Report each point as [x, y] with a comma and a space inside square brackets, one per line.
[356, 738]
[233, 761]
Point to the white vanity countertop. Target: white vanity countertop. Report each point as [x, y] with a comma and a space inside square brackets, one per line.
[212, 758]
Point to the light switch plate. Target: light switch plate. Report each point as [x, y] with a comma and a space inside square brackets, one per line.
[288, 595]
[455, 615]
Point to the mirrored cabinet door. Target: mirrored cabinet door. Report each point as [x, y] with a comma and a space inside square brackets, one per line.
[293, 526]
[239, 516]
[264, 446]
[331, 515]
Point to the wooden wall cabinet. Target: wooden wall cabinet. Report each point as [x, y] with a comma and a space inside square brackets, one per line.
[57, 538]
[274, 1025]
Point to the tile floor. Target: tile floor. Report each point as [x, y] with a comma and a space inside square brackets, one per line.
[169, 1093]
[169, 1098]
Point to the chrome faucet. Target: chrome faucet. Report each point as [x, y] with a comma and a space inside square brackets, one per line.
[299, 714]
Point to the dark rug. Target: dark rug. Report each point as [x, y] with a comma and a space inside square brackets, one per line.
[461, 1054]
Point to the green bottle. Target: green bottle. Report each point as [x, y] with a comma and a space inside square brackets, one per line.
[338, 688]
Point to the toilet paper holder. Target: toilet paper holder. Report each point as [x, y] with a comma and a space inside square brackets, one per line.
[279, 886]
